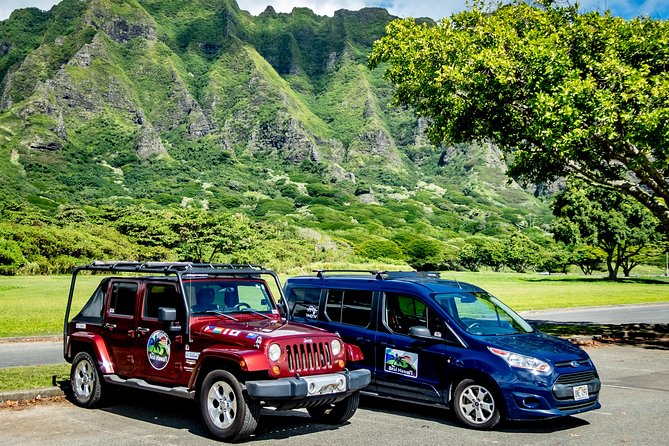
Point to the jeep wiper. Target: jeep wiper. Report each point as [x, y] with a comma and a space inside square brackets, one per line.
[251, 310]
[219, 313]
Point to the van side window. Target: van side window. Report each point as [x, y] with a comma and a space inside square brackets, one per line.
[304, 302]
[403, 312]
[352, 307]
[122, 299]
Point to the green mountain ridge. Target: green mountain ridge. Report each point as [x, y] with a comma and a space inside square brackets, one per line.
[168, 104]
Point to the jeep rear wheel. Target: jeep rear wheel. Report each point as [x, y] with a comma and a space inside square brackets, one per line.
[85, 381]
[225, 411]
[336, 413]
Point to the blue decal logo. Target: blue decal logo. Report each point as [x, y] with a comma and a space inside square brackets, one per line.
[158, 349]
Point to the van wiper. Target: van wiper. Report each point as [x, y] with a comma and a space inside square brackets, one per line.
[219, 313]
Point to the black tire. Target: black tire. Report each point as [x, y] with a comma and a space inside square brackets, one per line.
[86, 384]
[476, 405]
[336, 413]
[225, 412]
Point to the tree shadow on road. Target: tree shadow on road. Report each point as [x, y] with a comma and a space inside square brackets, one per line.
[651, 336]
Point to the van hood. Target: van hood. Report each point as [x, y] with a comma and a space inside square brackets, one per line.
[538, 345]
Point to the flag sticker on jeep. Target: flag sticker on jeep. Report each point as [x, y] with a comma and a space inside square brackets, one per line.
[158, 349]
[401, 363]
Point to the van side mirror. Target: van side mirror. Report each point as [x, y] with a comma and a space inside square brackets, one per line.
[419, 331]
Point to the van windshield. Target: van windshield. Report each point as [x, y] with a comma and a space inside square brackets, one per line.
[480, 313]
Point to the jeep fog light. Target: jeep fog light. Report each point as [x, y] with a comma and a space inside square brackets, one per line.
[341, 384]
[274, 352]
[336, 347]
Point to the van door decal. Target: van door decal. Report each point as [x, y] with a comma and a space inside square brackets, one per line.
[401, 363]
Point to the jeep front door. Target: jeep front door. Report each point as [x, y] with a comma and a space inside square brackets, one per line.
[119, 324]
[160, 345]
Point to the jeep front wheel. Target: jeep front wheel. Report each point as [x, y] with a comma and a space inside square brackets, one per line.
[85, 381]
[225, 411]
[336, 413]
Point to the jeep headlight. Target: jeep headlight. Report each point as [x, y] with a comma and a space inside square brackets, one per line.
[336, 347]
[522, 362]
[274, 352]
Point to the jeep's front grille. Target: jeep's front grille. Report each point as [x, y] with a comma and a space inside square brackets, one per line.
[309, 356]
[575, 378]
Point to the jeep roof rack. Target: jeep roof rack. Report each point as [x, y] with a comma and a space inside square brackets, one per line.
[178, 269]
[380, 275]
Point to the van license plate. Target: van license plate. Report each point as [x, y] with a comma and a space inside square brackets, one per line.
[581, 393]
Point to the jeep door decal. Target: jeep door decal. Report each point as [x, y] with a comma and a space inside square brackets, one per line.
[401, 363]
[158, 349]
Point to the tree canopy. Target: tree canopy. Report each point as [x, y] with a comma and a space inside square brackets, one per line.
[623, 229]
[565, 93]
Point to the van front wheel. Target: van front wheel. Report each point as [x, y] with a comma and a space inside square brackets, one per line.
[475, 405]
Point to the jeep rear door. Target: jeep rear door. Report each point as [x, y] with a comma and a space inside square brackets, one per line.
[119, 324]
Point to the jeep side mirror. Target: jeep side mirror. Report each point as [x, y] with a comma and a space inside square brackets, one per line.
[419, 331]
[166, 314]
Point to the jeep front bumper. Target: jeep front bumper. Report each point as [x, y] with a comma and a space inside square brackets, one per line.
[333, 384]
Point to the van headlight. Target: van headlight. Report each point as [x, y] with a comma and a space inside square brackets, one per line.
[522, 362]
[336, 347]
[274, 352]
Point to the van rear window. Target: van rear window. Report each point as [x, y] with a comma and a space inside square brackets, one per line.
[352, 307]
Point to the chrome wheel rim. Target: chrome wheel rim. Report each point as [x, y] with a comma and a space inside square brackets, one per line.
[221, 404]
[477, 404]
[84, 379]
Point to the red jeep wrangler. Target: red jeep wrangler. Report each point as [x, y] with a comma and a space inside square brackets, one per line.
[214, 333]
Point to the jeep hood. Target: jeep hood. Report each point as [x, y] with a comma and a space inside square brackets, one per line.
[245, 334]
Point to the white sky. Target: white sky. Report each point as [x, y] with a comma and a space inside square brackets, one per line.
[403, 8]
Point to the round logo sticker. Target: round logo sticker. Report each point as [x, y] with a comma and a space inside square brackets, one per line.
[158, 349]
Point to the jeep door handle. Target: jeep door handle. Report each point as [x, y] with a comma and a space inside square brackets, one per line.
[142, 331]
[109, 326]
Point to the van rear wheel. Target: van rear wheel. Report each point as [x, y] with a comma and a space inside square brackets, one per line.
[475, 405]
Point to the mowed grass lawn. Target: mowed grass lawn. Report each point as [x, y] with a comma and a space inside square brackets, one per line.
[35, 305]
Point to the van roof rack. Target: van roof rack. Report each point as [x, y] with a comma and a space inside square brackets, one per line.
[380, 275]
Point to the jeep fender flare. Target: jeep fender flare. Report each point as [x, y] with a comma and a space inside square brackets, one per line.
[353, 353]
[96, 346]
[246, 360]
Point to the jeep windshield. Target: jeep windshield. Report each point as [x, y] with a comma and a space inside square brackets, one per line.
[228, 296]
[480, 313]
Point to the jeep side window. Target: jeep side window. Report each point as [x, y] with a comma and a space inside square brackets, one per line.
[161, 295]
[403, 312]
[304, 302]
[122, 299]
[352, 307]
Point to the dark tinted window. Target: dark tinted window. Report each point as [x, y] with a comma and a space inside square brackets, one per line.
[349, 306]
[304, 302]
[122, 300]
[161, 295]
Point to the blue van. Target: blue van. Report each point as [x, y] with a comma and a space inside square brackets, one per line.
[441, 342]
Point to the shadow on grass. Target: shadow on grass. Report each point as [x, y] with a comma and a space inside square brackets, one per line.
[643, 335]
[581, 279]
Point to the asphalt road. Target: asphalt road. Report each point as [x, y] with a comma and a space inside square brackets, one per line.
[635, 400]
[655, 313]
[51, 352]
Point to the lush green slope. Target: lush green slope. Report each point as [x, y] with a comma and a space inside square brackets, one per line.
[165, 104]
